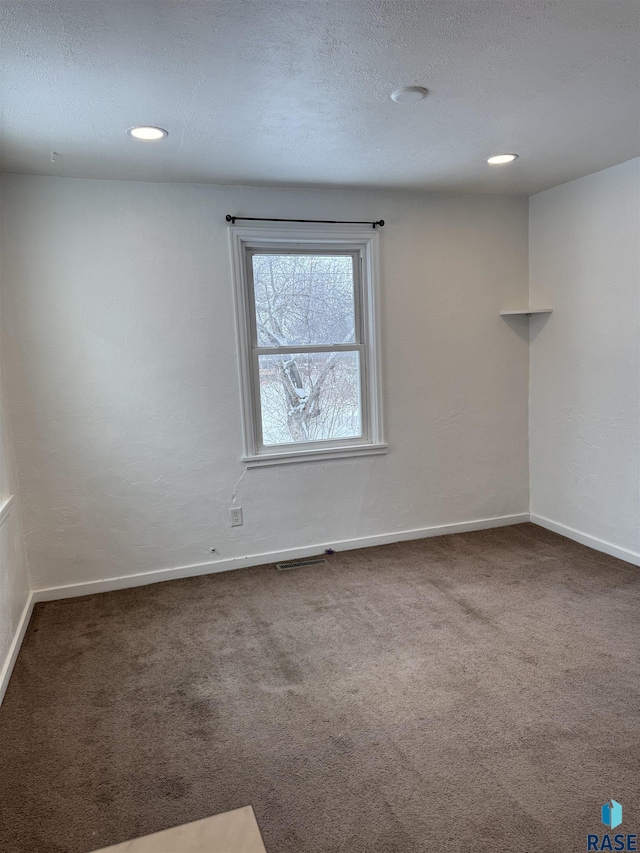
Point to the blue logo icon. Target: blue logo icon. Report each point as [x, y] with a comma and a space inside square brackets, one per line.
[611, 817]
[612, 814]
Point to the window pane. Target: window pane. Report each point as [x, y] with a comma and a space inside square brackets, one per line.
[303, 299]
[310, 396]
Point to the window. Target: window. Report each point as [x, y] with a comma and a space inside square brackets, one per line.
[307, 337]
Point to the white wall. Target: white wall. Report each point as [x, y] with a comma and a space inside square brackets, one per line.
[124, 384]
[585, 372]
[14, 582]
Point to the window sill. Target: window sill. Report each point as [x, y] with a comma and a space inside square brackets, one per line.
[318, 455]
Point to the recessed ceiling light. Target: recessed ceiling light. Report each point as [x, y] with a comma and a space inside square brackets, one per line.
[409, 94]
[499, 159]
[148, 133]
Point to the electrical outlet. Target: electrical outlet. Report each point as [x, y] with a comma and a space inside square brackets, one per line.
[236, 516]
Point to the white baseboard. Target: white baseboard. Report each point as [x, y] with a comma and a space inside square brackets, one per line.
[9, 663]
[143, 578]
[224, 565]
[585, 539]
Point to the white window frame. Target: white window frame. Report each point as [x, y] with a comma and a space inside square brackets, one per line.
[299, 238]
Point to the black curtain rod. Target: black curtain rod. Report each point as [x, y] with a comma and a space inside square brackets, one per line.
[232, 219]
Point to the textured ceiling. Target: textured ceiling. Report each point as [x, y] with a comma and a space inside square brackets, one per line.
[297, 91]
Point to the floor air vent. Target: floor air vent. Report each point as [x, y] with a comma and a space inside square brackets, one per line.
[299, 564]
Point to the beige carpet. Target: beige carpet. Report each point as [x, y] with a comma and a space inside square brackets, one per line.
[477, 692]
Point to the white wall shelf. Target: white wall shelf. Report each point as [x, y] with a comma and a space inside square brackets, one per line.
[527, 311]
